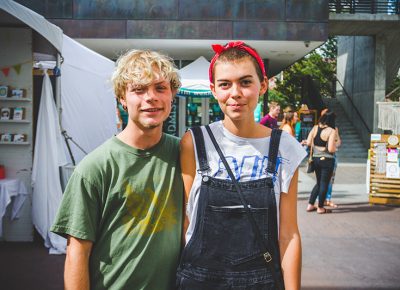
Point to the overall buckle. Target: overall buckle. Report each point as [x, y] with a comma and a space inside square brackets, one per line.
[267, 257]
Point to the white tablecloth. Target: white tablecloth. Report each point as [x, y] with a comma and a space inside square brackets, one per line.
[11, 188]
[389, 116]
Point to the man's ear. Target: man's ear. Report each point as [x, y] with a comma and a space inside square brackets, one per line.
[123, 102]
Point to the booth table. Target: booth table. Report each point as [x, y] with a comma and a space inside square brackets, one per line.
[11, 190]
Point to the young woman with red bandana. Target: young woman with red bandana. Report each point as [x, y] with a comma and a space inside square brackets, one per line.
[241, 202]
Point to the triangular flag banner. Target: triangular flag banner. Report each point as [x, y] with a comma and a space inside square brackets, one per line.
[17, 68]
[5, 71]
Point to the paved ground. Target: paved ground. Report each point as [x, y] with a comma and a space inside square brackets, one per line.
[356, 247]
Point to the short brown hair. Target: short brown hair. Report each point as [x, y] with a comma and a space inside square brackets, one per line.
[235, 55]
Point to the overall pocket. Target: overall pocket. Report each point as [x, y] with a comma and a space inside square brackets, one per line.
[228, 234]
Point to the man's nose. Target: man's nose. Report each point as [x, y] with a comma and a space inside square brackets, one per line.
[150, 95]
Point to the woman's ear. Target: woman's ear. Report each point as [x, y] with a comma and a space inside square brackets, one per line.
[264, 86]
[212, 88]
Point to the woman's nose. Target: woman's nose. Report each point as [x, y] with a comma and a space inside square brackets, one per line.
[236, 92]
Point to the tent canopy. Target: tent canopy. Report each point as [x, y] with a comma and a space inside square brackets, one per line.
[195, 82]
[88, 112]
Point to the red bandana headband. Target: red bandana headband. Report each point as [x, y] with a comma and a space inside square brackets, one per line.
[234, 44]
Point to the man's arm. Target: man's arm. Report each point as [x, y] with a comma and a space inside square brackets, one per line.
[289, 237]
[76, 272]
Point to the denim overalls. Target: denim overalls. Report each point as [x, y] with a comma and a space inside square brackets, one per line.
[223, 252]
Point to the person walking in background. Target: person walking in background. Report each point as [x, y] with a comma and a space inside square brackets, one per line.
[323, 139]
[236, 171]
[328, 199]
[122, 209]
[271, 119]
[289, 121]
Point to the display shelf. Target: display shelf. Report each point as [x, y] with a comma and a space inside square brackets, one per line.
[382, 189]
[15, 121]
[16, 99]
[14, 143]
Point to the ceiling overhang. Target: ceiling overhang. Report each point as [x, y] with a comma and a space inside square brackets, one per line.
[280, 54]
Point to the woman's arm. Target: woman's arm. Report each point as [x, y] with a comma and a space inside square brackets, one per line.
[289, 237]
[76, 272]
[338, 140]
[332, 141]
[188, 166]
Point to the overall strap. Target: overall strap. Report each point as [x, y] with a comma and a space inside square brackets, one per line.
[273, 150]
[200, 149]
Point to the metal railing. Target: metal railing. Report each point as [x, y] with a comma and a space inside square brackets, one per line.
[354, 107]
[365, 6]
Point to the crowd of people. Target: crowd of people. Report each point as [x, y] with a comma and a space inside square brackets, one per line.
[214, 210]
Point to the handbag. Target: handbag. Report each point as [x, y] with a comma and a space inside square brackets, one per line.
[311, 165]
[266, 253]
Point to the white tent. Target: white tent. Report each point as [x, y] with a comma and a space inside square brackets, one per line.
[194, 77]
[87, 105]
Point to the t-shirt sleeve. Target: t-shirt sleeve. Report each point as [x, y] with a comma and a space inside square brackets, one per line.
[79, 210]
[291, 154]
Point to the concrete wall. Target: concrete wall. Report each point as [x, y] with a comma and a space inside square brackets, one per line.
[188, 19]
[366, 66]
[356, 71]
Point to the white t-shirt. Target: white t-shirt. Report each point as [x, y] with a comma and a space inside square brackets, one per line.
[248, 160]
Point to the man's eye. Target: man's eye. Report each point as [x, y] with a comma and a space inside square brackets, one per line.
[223, 85]
[138, 90]
[161, 88]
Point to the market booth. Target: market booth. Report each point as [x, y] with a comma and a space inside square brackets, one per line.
[197, 106]
[384, 157]
[66, 98]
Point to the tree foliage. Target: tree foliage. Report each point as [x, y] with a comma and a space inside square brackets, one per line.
[320, 65]
[394, 90]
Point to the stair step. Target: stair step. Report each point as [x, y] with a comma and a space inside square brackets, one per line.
[352, 146]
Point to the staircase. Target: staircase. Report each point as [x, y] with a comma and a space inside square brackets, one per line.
[352, 147]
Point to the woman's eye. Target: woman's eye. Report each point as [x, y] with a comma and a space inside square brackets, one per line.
[246, 82]
[161, 88]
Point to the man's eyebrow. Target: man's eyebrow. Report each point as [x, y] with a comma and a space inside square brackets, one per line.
[161, 82]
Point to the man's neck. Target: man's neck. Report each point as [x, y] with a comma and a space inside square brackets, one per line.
[140, 138]
[272, 116]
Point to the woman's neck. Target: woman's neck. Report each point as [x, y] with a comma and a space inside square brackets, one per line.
[245, 129]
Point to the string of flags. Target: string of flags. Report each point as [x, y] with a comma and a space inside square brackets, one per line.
[17, 67]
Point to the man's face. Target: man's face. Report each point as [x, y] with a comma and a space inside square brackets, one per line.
[275, 111]
[148, 107]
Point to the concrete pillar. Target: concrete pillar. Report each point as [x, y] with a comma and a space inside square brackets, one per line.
[380, 76]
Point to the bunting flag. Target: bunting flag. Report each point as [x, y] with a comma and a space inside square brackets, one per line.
[17, 67]
[6, 71]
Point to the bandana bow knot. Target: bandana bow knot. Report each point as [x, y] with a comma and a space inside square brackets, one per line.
[218, 48]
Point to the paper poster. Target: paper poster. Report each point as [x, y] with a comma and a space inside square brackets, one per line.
[376, 137]
[392, 170]
[392, 155]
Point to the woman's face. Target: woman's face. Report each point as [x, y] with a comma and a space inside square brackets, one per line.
[237, 88]
[295, 117]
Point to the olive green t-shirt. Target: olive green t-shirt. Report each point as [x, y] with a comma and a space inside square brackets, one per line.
[129, 203]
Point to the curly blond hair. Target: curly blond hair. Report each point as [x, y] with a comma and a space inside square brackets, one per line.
[141, 68]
